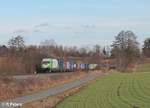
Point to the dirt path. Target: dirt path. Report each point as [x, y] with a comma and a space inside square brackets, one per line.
[52, 91]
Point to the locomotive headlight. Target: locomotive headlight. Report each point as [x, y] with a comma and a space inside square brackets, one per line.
[45, 65]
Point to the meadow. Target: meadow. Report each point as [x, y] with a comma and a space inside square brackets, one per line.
[118, 90]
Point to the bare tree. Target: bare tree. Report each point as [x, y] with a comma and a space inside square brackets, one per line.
[3, 50]
[48, 47]
[125, 49]
[107, 52]
[97, 54]
[146, 47]
[50, 42]
[16, 43]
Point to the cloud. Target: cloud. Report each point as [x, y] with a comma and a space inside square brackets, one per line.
[42, 25]
[89, 26]
[37, 31]
[21, 31]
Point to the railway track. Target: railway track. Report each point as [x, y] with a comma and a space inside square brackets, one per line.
[41, 75]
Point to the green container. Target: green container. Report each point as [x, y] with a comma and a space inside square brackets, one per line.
[55, 64]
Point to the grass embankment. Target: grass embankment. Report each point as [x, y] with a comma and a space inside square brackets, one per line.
[52, 101]
[131, 90]
[143, 68]
[11, 88]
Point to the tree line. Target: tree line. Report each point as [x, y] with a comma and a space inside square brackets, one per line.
[17, 57]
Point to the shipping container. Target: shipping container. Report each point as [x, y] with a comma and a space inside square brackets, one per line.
[71, 63]
[86, 66]
[78, 66]
[82, 66]
[55, 65]
[61, 65]
[92, 66]
[66, 65]
[75, 67]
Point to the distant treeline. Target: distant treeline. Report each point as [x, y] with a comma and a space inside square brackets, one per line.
[18, 58]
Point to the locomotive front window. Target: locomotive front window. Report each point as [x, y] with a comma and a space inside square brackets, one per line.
[45, 62]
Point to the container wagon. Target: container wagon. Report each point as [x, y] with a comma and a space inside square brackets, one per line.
[69, 65]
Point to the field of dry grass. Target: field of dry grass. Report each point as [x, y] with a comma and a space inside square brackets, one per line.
[11, 88]
[11, 66]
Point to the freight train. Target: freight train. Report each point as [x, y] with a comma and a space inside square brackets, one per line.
[69, 65]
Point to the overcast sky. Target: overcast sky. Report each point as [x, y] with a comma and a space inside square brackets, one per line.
[73, 22]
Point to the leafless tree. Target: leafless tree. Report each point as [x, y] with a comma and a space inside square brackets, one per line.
[146, 47]
[16, 43]
[125, 49]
